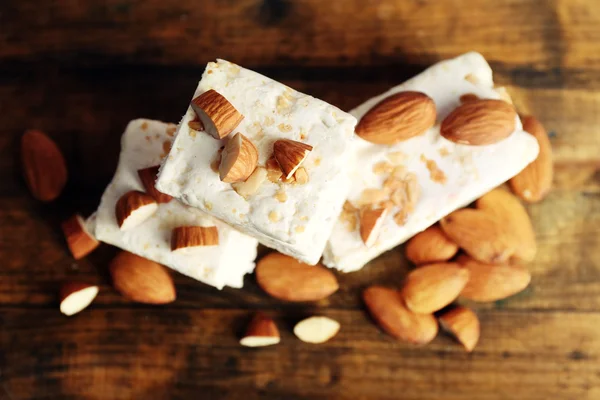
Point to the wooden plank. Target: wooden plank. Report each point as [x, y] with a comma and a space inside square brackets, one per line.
[124, 354]
[542, 35]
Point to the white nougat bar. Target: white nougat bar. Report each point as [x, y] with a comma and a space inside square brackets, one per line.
[144, 144]
[442, 175]
[296, 219]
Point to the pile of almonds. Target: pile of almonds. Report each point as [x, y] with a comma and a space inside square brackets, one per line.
[475, 253]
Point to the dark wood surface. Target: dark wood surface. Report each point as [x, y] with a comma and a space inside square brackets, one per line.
[80, 70]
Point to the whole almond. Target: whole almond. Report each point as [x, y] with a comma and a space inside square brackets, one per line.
[509, 209]
[286, 278]
[397, 117]
[491, 282]
[430, 246]
[44, 166]
[483, 235]
[430, 288]
[479, 122]
[387, 309]
[463, 324]
[141, 280]
[535, 181]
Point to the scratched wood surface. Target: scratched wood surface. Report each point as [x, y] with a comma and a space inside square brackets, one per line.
[81, 70]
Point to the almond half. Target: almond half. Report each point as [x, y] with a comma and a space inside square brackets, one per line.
[479, 122]
[387, 309]
[371, 221]
[148, 178]
[289, 155]
[286, 278]
[133, 208]
[430, 246]
[535, 181]
[316, 329]
[430, 288]
[492, 282]
[218, 116]
[483, 235]
[397, 117]
[80, 241]
[462, 323]
[510, 210]
[261, 332]
[238, 159]
[75, 296]
[44, 166]
[141, 280]
[184, 238]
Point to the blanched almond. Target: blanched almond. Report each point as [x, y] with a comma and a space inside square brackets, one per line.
[188, 237]
[371, 221]
[431, 245]
[316, 329]
[463, 324]
[80, 241]
[261, 332]
[148, 178]
[397, 117]
[238, 159]
[387, 309]
[432, 287]
[286, 278]
[252, 184]
[218, 116]
[133, 208]
[75, 296]
[290, 154]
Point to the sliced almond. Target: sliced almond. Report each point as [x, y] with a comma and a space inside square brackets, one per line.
[75, 296]
[510, 210]
[479, 122]
[371, 221]
[261, 332]
[141, 280]
[430, 246]
[535, 181]
[252, 184]
[286, 278]
[218, 116]
[387, 309]
[432, 287]
[483, 235]
[397, 117]
[238, 159]
[289, 155]
[316, 329]
[462, 323]
[44, 166]
[133, 208]
[188, 237]
[80, 241]
[148, 178]
[492, 282]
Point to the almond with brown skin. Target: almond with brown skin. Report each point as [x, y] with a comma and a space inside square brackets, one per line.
[387, 309]
[479, 122]
[218, 116]
[80, 241]
[371, 220]
[509, 209]
[133, 208]
[141, 280]
[188, 237]
[286, 278]
[430, 246]
[432, 287]
[535, 181]
[238, 159]
[483, 235]
[289, 155]
[75, 296]
[398, 117]
[148, 178]
[261, 332]
[462, 323]
[492, 282]
[44, 166]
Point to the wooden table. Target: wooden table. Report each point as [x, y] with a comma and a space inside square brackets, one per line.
[80, 70]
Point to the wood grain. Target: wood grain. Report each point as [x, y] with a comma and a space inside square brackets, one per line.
[81, 70]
